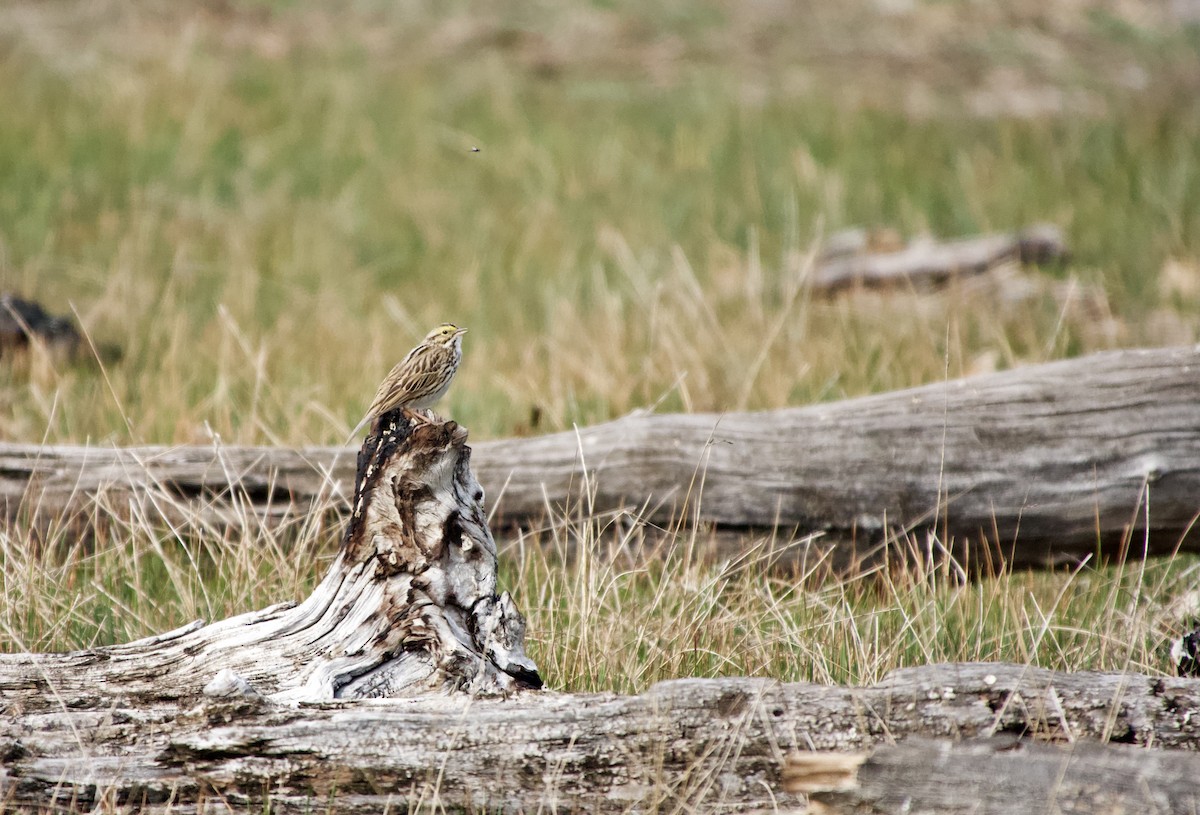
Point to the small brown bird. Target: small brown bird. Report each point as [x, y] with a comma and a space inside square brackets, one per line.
[422, 377]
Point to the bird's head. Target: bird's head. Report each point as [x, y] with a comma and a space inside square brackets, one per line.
[445, 334]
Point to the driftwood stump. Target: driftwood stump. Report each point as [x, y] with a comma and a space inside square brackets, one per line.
[409, 606]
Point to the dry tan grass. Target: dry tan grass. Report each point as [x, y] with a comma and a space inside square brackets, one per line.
[611, 605]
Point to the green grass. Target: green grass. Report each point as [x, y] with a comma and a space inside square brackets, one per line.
[264, 219]
[264, 205]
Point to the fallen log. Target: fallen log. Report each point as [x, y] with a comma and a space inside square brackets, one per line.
[24, 323]
[850, 262]
[1041, 465]
[695, 744]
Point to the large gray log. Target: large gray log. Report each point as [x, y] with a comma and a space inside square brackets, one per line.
[1046, 463]
[712, 745]
[1042, 465]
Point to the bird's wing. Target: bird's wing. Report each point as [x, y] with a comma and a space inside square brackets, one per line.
[417, 374]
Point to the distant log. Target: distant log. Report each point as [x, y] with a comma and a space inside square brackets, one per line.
[850, 260]
[1040, 465]
[686, 745]
[24, 323]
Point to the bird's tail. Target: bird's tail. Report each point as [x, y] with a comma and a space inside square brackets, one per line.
[357, 428]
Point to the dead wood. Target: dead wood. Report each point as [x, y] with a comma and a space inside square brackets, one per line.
[408, 606]
[348, 701]
[1041, 465]
[851, 260]
[1000, 776]
[24, 323]
[703, 744]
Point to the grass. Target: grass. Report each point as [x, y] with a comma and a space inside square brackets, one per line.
[613, 621]
[264, 219]
[263, 205]
[609, 611]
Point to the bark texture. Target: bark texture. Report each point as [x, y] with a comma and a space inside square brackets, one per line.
[395, 687]
[998, 777]
[1040, 465]
[712, 745]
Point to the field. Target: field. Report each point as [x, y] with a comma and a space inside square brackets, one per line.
[255, 208]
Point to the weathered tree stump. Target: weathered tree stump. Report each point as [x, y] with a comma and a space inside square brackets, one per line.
[409, 606]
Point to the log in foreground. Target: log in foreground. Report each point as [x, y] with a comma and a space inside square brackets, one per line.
[1045, 464]
[685, 745]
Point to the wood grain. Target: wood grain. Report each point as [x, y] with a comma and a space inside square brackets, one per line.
[714, 745]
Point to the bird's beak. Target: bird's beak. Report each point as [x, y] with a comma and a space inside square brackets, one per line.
[460, 332]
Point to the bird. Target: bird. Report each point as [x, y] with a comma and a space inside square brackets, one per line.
[421, 378]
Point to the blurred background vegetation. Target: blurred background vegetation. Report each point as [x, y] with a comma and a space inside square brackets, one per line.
[265, 204]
